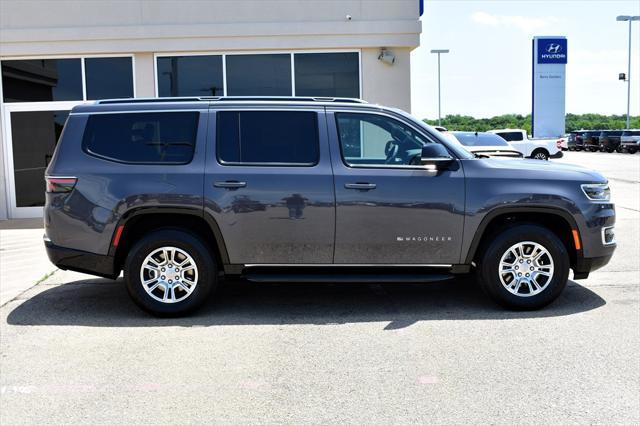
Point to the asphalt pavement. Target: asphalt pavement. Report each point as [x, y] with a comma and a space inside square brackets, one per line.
[75, 350]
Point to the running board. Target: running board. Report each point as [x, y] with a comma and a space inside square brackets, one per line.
[345, 278]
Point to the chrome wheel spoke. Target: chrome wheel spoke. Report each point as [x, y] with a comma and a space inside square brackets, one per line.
[172, 270]
[526, 269]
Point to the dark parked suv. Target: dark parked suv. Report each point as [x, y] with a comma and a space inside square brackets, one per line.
[591, 140]
[609, 140]
[178, 193]
[575, 142]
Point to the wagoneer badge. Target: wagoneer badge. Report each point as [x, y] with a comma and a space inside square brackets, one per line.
[423, 239]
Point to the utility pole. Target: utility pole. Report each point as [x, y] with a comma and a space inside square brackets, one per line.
[439, 51]
[630, 19]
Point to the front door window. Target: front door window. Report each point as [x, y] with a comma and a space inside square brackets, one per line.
[371, 139]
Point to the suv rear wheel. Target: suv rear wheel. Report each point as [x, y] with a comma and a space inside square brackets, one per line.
[524, 267]
[169, 272]
[540, 154]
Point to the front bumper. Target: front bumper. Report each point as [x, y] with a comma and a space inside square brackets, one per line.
[81, 261]
[586, 265]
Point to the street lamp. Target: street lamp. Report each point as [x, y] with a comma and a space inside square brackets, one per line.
[630, 19]
[439, 51]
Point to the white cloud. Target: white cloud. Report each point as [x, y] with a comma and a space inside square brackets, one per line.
[523, 23]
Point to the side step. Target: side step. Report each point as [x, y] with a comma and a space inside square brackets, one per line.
[346, 278]
[344, 275]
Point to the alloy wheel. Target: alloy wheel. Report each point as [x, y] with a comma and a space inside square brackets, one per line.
[169, 274]
[526, 269]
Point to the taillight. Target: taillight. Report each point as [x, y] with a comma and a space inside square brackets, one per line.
[60, 184]
[559, 143]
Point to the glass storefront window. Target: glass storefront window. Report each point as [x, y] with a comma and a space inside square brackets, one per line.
[327, 74]
[259, 75]
[190, 76]
[109, 78]
[34, 136]
[42, 80]
[51, 80]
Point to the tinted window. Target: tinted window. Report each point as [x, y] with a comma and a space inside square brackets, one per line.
[479, 139]
[327, 74]
[279, 137]
[511, 136]
[259, 75]
[374, 139]
[108, 78]
[167, 137]
[34, 136]
[631, 133]
[190, 76]
[41, 80]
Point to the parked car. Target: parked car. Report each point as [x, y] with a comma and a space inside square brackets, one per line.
[609, 140]
[563, 143]
[486, 144]
[591, 140]
[575, 141]
[630, 141]
[536, 148]
[190, 190]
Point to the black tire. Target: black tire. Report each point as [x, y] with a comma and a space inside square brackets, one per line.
[540, 154]
[190, 244]
[489, 263]
[610, 150]
[572, 148]
[631, 150]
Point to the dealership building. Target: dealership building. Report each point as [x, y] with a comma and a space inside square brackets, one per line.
[57, 54]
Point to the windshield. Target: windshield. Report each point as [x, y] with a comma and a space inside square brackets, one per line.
[480, 139]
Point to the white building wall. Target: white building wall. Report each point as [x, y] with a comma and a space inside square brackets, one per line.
[37, 28]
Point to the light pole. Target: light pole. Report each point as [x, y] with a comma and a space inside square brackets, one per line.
[439, 51]
[630, 19]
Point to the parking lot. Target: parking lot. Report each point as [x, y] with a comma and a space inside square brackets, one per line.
[74, 349]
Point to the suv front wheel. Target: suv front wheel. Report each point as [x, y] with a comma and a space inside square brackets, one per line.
[169, 272]
[525, 267]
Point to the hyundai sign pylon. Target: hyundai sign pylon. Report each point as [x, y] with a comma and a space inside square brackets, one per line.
[549, 63]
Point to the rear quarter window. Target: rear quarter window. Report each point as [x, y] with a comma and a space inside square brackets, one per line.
[511, 136]
[142, 138]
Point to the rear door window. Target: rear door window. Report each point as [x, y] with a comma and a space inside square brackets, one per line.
[147, 138]
[276, 138]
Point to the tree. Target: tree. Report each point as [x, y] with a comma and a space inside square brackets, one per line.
[517, 121]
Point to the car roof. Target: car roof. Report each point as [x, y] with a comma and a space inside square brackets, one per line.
[223, 102]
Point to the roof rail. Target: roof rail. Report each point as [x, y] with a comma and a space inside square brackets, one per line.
[232, 98]
[147, 100]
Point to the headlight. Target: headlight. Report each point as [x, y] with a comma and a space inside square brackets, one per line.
[597, 191]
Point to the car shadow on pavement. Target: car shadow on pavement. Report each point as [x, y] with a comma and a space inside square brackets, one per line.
[105, 303]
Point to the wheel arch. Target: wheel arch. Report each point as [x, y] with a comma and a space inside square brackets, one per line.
[138, 222]
[558, 220]
[540, 149]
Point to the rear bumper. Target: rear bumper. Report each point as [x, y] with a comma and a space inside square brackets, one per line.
[81, 261]
[558, 154]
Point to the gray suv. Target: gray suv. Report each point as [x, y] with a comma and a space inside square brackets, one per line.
[179, 193]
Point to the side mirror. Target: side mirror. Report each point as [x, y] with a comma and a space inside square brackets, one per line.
[436, 155]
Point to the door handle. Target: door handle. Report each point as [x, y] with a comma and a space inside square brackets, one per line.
[230, 184]
[361, 186]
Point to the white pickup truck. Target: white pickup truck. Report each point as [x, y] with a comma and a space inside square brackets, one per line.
[537, 148]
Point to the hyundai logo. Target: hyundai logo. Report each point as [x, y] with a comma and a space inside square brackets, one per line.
[554, 48]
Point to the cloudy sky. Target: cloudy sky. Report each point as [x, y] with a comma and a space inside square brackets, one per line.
[488, 71]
